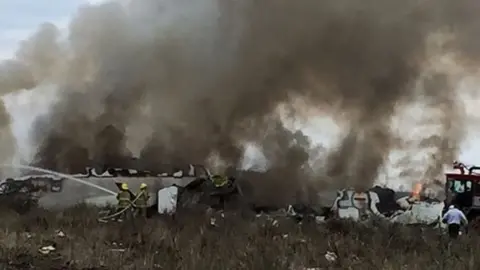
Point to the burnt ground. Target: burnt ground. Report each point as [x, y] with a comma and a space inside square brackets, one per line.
[237, 242]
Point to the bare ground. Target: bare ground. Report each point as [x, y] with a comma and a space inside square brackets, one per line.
[237, 242]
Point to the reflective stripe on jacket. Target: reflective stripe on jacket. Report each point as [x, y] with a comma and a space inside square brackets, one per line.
[142, 199]
[123, 198]
[219, 181]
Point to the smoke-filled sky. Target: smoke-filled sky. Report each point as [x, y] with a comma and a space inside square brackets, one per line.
[18, 20]
[188, 80]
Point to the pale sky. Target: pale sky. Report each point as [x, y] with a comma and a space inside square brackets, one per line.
[20, 18]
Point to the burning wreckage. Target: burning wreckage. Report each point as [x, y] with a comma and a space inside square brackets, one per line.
[194, 186]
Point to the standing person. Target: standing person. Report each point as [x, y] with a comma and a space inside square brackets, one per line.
[142, 200]
[454, 218]
[221, 186]
[124, 201]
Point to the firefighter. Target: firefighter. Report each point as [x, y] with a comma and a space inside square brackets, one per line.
[124, 201]
[219, 181]
[142, 200]
[454, 218]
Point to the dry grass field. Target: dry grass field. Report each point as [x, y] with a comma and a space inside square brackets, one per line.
[189, 241]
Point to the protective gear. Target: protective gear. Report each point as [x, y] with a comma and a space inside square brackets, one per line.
[219, 181]
[124, 201]
[142, 201]
[123, 198]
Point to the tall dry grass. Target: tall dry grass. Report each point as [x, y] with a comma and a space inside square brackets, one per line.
[189, 241]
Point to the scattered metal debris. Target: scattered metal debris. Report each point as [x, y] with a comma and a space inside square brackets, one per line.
[118, 249]
[213, 222]
[331, 257]
[193, 188]
[60, 233]
[47, 249]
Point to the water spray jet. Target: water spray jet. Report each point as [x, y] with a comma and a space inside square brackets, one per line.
[66, 176]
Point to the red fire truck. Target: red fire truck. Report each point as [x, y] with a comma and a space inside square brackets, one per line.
[463, 190]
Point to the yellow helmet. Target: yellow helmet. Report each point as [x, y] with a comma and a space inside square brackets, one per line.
[143, 185]
[124, 186]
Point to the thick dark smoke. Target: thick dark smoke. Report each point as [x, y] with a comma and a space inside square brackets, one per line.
[206, 76]
[441, 100]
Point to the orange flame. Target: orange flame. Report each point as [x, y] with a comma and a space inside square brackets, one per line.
[417, 188]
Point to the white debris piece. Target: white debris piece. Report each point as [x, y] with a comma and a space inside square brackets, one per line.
[293, 267]
[178, 174]
[420, 213]
[46, 250]
[404, 203]
[213, 222]
[275, 223]
[167, 200]
[320, 219]
[93, 172]
[290, 211]
[60, 233]
[331, 257]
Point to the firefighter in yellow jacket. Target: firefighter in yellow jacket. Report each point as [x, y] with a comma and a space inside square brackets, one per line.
[124, 201]
[219, 181]
[142, 201]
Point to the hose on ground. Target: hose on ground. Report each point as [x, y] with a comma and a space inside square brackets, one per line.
[132, 204]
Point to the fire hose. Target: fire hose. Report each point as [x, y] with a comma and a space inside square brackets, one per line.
[132, 204]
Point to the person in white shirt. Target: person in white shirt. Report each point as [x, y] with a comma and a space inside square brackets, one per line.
[454, 218]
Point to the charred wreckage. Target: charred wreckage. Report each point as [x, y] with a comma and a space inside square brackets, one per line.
[194, 186]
